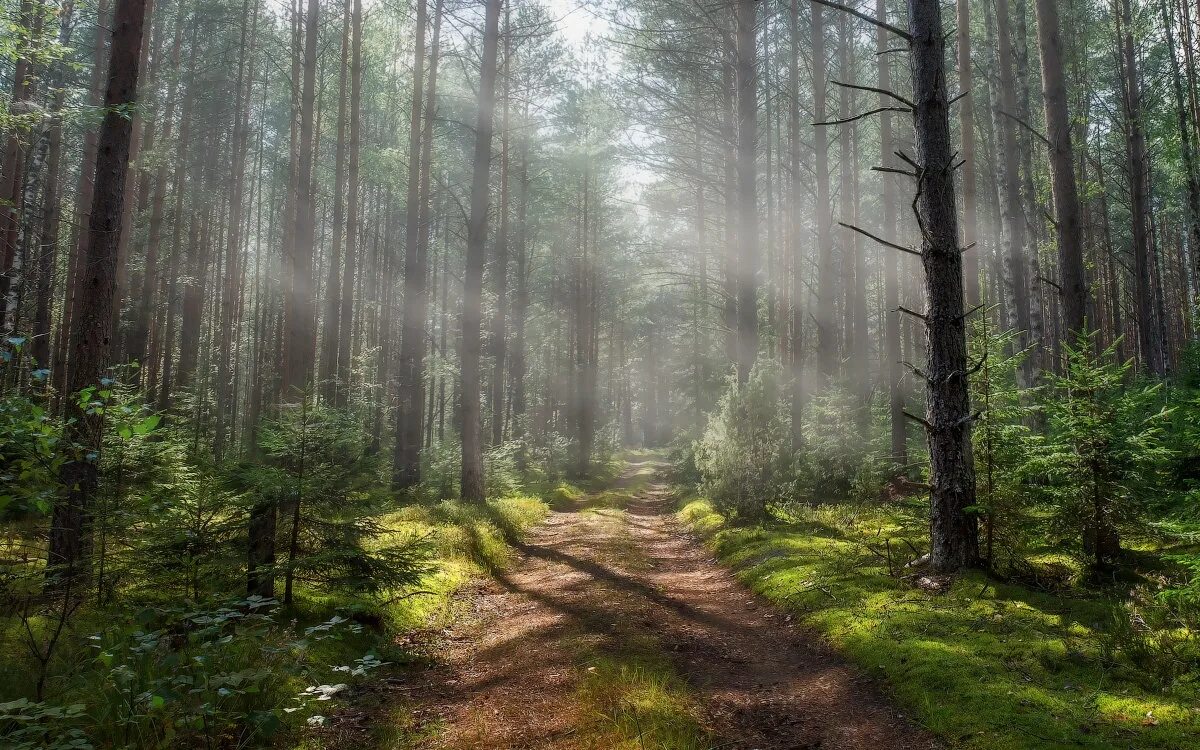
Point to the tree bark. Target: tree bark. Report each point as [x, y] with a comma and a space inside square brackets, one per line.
[299, 312]
[953, 524]
[966, 121]
[1068, 223]
[747, 173]
[1139, 196]
[1015, 263]
[826, 297]
[891, 261]
[327, 375]
[346, 316]
[472, 480]
[91, 332]
[407, 465]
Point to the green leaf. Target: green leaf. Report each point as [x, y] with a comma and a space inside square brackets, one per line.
[147, 425]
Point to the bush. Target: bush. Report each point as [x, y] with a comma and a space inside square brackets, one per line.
[227, 674]
[841, 458]
[1104, 452]
[744, 457]
[324, 480]
[1001, 443]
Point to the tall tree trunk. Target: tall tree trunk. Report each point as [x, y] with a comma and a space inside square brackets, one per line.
[327, 376]
[854, 273]
[131, 196]
[477, 230]
[144, 308]
[12, 167]
[953, 525]
[407, 468]
[796, 249]
[83, 204]
[747, 172]
[298, 311]
[966, 120]
[826, 296]
[1187, 145]
[500, 263]
[1139, 196]
[52, 209]
[234, 276]
[346, 316]
[521, 301]
[91, 333]
[1015, 263]
[891, 262]
[1068, 223]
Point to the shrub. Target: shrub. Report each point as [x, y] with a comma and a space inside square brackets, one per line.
[744, 457]
[841, 458]
[1104, 452]
[323, 478]
[1001, 441]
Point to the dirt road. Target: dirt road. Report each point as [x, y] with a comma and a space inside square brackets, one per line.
[615, 569]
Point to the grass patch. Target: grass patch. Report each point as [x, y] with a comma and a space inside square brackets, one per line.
[633, 700]
[985, 665]
[630, 696]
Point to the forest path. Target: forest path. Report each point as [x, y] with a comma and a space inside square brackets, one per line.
[595, 578]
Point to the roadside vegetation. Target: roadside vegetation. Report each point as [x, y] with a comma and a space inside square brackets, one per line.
[1079, 629]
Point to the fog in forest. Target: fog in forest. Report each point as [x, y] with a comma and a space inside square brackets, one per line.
[681, 374]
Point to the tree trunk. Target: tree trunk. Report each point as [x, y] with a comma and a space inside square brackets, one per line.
[500, 264]
[346, 316]
[91, 331]
[1068, 223]
[891, 261]
[234, 276]
[83, 204]
[298, 312]
[477, 230]
[1015, 264]
[407, 468]
[747, 173]
[826, 296]
[1139, 196]
[966, 120]
[953, 524]
[327, 375]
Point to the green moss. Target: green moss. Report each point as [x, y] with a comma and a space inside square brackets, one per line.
[985, 665]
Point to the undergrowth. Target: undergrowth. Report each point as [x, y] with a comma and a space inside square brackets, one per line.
[983, 663]
[247, 672]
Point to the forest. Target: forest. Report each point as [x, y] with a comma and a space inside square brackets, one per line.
[569, 375]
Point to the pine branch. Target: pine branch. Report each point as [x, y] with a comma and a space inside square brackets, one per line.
[864, 115]
[880, 240]
[875, 90]
[868, 18]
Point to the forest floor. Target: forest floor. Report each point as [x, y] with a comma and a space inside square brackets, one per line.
[615, 629]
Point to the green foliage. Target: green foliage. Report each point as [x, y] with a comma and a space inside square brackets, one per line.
[986, 664]
[189, 677]
[25, 725]
[1002, 442]
[30, 458]
[1103, 454]
[321, 475]
[744, 456]
[841, 458]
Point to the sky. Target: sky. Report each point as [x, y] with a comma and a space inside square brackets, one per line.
[576, 18]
